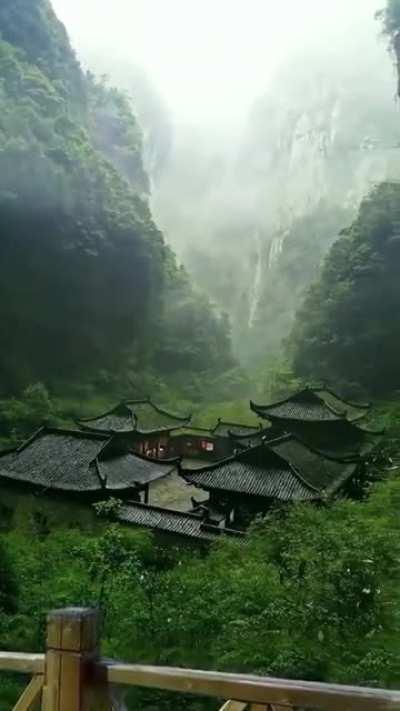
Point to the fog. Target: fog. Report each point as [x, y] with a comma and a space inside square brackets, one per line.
[265, 124]
[209, 58]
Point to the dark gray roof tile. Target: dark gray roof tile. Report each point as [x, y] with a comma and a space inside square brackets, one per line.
[124, 470]
[56, 459]
[168, 521]
[254, 472]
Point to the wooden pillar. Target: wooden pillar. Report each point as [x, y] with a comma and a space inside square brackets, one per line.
[72, 647]
[146, 494]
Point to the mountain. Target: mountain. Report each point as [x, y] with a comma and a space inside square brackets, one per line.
[347, 329]
[257, 212]
[87, 281]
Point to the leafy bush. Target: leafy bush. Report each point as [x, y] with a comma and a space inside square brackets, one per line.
[312, 594]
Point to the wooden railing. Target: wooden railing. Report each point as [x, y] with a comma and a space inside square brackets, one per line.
[72, 677]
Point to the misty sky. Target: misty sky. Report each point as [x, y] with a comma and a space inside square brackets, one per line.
[210, 58]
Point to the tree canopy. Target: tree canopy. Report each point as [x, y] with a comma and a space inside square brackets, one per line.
[85, 273]
[348, 328]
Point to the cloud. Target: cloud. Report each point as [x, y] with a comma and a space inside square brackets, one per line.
[209, 58]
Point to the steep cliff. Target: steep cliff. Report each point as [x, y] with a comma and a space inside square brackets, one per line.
[259, 212]
[331, 136]
[348, 328]
[86, 280]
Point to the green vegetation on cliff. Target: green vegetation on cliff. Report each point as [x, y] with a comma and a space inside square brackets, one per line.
[348, 329]
[87, 282]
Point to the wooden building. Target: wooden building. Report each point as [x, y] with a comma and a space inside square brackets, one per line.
[171, 525]
[319, 418]
[196, 443]
[209, 444]
[85, 466]
[249, 483]
[281, 471]
[148, 425]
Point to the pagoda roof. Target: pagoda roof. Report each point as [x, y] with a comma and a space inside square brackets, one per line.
[264, 434]
[224, 428]
[350, 410]
[311, 405]
[118, 419]
[257, 472]
[126, 469]
[188, 431]
[325, 473]
[190, 526]
[142, 416]
[76, 461]
[339, 438]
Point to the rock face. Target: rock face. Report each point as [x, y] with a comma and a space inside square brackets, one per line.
[254, 218]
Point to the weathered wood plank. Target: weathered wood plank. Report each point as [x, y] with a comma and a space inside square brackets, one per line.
[72, 648]
[31, 694]
[259, 690]
[23, 663]
[234, 706]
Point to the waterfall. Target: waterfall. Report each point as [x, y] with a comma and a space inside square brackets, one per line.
[256, 288]
[275, 250]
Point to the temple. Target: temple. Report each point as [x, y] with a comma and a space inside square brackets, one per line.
[191, 483]
[311, 405]
[140, 415]
[207, 444]
[249, 483]
[83, 465]
[318, 418]
[284, 470]
[197, 443]
[167, 523]
[148, 425]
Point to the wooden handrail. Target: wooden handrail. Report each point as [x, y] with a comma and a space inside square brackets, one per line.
[252, 689]
[23, 663]
[74, 678]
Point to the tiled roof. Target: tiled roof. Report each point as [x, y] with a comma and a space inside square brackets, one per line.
[150, 417]
[341, 438]
[126, 470]
[188, 431]
[141, 415]
[323, 473]
[352, 411]
[226, 429]
[56, 459]
[173, 522]
[254, 472]
[306, 405]
[261, 435]
[312, 404]
[77, 461]
[119, 419]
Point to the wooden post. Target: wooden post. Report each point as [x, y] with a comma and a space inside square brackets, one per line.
[72, 648]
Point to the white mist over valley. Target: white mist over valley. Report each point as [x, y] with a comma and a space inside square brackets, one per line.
[264, 127]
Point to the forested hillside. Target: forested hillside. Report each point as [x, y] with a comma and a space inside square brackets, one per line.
[87, 282]
[348, 329]
[258, 211]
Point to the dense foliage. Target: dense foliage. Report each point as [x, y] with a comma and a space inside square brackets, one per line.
[313, 594]
[347, 329]
[85, 274]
